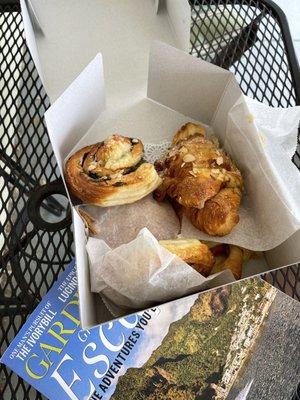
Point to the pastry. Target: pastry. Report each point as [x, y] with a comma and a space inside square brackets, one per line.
[112, 172]
[233, 258]
[121, 224]
[219, 215]
[209, 258]
[202, 179]
[193, 252]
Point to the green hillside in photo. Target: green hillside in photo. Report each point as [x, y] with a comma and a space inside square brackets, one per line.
[202, 353]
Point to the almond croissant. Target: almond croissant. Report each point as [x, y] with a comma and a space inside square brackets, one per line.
[202, 179]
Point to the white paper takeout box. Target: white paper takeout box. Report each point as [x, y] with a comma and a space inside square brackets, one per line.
[180, 88]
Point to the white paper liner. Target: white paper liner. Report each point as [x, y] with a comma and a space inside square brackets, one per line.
[142, 273]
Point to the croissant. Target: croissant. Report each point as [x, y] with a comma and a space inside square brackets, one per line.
[202, 179]
[112, 172]
[219, 215]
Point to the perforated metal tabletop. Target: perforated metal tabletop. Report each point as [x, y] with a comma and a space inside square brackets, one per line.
[251, 38]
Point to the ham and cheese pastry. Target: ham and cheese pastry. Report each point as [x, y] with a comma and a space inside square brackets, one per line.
[112, 172]
[202, 179]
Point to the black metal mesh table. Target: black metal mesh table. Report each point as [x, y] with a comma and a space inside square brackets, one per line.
[251, 38]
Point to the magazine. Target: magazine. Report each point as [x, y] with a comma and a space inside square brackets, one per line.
[211, 345]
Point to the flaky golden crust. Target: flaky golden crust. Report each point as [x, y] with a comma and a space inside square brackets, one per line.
[203, 179]
[111, 172]
[203, 269]
[219, 215]
[234, 262]
[228, 256]
[192, 251]
[187, 131]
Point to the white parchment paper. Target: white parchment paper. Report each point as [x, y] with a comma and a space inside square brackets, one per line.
[141, 273]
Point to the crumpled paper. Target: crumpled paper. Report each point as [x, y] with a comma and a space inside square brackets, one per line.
[141, 273]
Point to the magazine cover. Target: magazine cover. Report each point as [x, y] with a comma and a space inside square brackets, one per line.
[216, 345]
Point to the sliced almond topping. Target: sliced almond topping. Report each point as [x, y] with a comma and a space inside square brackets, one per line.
[189, 158]
[219, 160]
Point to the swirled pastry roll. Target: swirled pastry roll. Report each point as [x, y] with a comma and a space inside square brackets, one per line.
[112, 172]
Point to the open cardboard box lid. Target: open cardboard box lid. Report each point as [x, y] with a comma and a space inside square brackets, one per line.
[63, 45]
[64, 36]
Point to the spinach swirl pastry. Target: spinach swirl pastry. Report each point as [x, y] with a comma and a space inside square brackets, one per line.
[110, 173]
